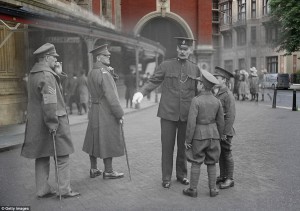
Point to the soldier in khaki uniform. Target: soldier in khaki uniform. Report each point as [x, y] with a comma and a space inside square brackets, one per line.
[178, 80]
[103, 136]
[47, 115]
[205, 123]
[226, 97]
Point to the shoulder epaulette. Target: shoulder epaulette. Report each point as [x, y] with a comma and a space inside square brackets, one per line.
[104, 70]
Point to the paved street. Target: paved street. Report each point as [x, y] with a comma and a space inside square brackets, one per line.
[266, 153]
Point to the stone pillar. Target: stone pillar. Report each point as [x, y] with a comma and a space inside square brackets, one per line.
[90, 42]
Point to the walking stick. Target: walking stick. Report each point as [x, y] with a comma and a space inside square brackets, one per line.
[122, 130]
[56, 166]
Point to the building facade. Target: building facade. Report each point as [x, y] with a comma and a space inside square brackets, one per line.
[75, 27]
[162, 20]
[246, 38]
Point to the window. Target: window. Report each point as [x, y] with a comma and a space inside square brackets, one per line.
[271, 34]
[215, 29]
[241, 10]
[242, 64]
[272, 64]
[266, 8]
[215, 4]
[226, 14]
[228, 65]
[241, 36]
[253, 34]
[227, 37]
[216, 41]
[253, 62]
[104, 7]
[253, 8]
[215, 16]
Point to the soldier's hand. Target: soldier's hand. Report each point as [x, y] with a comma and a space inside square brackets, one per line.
[137, 97]
[52, 132]
[223, 137]
[187, 146]
[122, 120]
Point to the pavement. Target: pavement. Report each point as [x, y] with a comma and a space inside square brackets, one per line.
[265, 149]
[10, 134]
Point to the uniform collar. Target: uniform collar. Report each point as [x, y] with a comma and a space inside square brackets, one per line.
[223, 88]
[42, 67]
[99, 65]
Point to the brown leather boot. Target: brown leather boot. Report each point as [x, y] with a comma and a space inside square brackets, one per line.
[190, 192]
[220, 180]
[95, 173]
[227, 184]
[112, 175]
[214, 192]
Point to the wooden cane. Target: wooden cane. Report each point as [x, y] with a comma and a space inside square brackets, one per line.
[56, 166]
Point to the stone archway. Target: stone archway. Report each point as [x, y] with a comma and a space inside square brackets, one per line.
[163, 30]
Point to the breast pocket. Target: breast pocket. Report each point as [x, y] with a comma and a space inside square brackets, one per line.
[171, 81]
[189, 83]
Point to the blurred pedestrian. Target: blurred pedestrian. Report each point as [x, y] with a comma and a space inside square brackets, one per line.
[72, 91]
[243, 84]
[47, 117]
[204, 126]
[226, 164]
[178, 79]
[103, 137]
[25, 86]
[254, 84]
[83, 92]
[146, 78]
[130, 83]
[236, 84]
[262, 78]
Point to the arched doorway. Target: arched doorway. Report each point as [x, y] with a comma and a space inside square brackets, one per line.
[163, 30]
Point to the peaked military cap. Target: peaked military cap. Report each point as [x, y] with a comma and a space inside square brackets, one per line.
[222, 72]
[46, 49]
[102, 49]
[184, 42]
[208, 79]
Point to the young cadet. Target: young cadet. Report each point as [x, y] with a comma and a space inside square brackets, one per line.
[204, 126]
[226, 163]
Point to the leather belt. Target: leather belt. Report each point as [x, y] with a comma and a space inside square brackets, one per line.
[95, 100]
[206, 123]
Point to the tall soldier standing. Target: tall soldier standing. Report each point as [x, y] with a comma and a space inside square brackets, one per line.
[103, 136]
[226, 97]
[178, 79]
[47, 116]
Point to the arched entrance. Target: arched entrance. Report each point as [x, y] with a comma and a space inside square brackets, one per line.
[163, 30]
